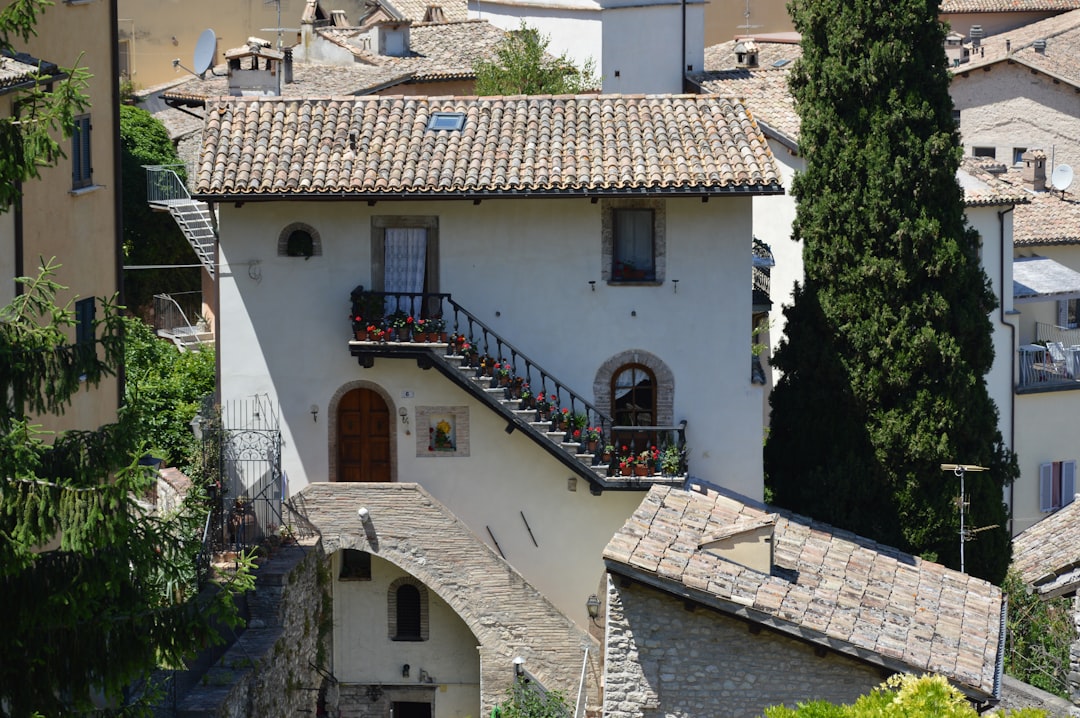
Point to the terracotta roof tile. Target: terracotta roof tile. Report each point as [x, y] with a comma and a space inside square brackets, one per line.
[586, 143]
[830, 586]
[1060, 58]
[20, 68]
[958, 6]
[1049, 548]
[1040, 219]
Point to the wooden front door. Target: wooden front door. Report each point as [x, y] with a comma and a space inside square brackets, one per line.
[363, 437]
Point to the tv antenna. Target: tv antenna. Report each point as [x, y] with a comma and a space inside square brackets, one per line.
[205, 50]
[746, 19]
[966, 534]
[1061, 178]
[279, 28]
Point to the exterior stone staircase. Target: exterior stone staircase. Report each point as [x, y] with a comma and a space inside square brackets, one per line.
[446, 357]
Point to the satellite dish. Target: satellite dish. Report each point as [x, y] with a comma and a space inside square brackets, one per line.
[1061, 178]
[205, 49]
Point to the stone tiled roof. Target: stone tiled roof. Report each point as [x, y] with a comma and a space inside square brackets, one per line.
[586, 144]
[958, 6]
[832, 588]
[763, 89]
[1047, 554]
[18, 69]
[1060, 58]
[415, 10]
[1040, 218]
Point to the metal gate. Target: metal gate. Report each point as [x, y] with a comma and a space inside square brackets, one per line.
[251, 471]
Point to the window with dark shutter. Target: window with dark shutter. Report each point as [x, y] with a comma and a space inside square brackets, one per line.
[408, 613]
[81, 169]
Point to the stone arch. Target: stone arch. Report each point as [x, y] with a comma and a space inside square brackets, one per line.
[392, 607]
[665, 382]
[303, 229]
[407, 527]
[332, 430]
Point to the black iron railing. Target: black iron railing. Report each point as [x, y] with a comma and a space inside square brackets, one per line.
[391, 318]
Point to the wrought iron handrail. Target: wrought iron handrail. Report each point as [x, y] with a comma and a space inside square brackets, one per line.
[370, 308]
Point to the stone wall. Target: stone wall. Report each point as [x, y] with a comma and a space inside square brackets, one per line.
[268, 671]
[663, 659]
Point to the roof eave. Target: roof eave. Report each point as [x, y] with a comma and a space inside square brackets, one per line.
[620, 193]
[795, 631]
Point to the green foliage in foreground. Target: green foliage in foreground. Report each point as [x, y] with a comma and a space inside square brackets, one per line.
[94, 591]
[900, 696]
[522, 66]
[529, 702]
[166, 387]
[1039, 633]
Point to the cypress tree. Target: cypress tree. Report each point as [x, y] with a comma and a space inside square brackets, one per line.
[888, 339]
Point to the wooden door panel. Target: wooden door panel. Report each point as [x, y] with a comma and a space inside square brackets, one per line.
[363, 437]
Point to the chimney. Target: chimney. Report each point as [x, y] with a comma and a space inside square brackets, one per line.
[746, 53]
[976, 35]
[1040, 45]
[1034, 172]
[286, 67]
[434, 13]
[338, 18]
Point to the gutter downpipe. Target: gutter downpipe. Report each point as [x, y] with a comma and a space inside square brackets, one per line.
[682, 58]
[1012, 360]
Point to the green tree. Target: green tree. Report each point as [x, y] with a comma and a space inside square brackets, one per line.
[529, 701]
[888, 340]
[94, 591]
[522, 66]
[166, 387]
[1038, 637]
[46, 114]
[901, 696]
[150, 238]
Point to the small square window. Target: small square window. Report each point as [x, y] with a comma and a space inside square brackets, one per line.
[82, 172]
[355, 565]
[990, 152]
[446, 121]
[633, 253]
[1018, 155]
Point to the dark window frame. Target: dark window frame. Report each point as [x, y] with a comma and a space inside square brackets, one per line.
[82, 168]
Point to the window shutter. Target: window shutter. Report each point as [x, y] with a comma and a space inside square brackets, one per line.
[1063, 313]
[1046, 487]
[1068, 482]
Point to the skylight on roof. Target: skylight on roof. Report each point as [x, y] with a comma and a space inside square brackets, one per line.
[781, 63]
[446, 121]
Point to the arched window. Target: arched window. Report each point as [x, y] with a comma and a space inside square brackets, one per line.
[407, 610]
[299, 240]
[633, 396]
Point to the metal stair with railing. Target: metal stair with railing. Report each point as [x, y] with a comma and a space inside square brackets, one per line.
[451, 358]
[166, 191]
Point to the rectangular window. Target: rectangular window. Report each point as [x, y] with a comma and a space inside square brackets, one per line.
[990, 152]
[81, 169]
[1057, 485]
[84, 321]
[1018, 155]
[1068, 313]
[355, 565]
[633, 254]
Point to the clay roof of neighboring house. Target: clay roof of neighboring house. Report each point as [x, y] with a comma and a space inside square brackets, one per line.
[1047, 554]
[1040, 218]
[1060, 59]
[19, 70]
[763, 89]
[378, 146]
[829, 587]
[417, 10]
[958, 6]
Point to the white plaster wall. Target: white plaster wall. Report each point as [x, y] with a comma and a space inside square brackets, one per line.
[643, 44]
[523, 267]
[1046, 431]
[993, 23]
[1009, 106]
[364, 653]
[572, 27]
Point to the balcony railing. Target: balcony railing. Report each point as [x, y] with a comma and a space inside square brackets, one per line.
[1044, 367]
[1052, 333]
[486, 354]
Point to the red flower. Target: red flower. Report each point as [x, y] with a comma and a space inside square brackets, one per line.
[408, 320]
[577, 433]
[565, 411]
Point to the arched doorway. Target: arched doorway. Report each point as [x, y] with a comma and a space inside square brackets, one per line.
[633, 403]
[363, 437]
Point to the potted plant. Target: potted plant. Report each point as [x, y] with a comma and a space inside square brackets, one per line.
[671, 460]
[468, 351]
[543, 406]
[626, 466]
[560, 420]
[528, 401]
[592, 438]
[436, 326]
[399, 320]
[419, 330]
[607, 453]
[502, 372]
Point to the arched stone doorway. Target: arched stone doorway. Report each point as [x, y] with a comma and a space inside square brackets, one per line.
[363, 437]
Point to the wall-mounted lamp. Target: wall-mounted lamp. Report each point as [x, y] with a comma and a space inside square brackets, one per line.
[405, 671]
[404, 414]
[592, 284]
[314, 412]
[519, 666]
[675, 286]
[592, 606]
[362, 513]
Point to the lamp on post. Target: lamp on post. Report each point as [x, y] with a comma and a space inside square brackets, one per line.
[592, 606]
